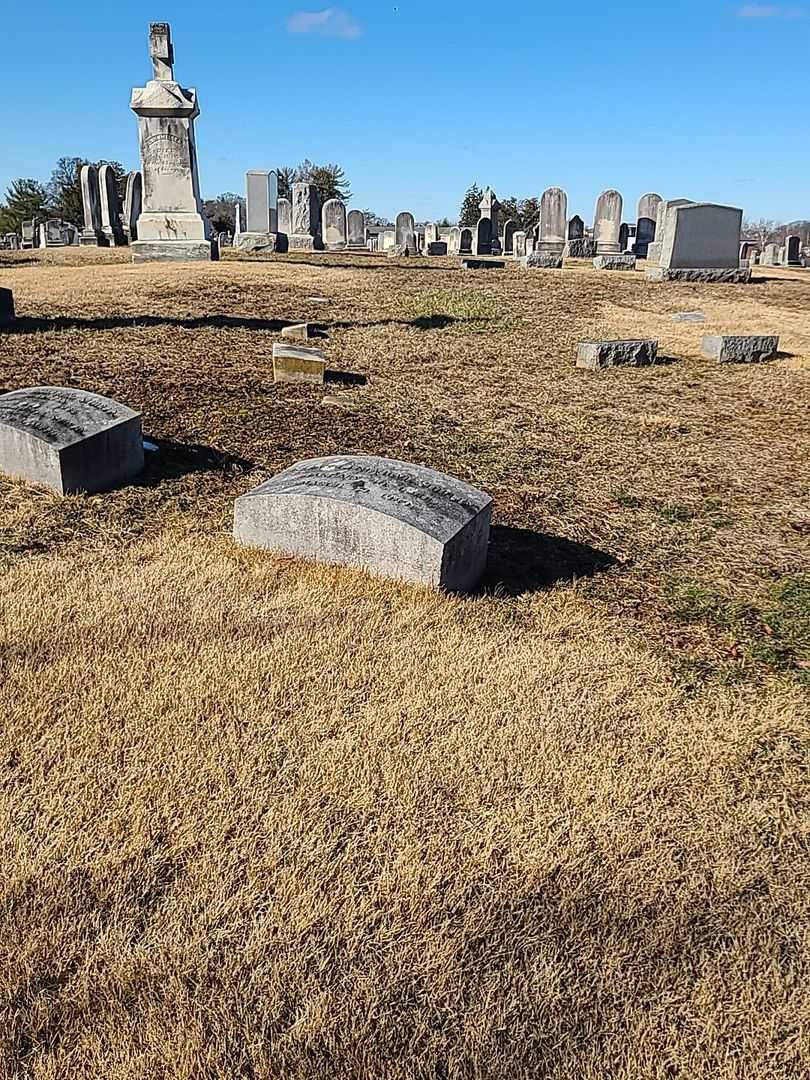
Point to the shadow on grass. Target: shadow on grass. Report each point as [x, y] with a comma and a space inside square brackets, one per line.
[521, 561]
[172, 460]
[422, 322]
[344, 378]
[23, 325]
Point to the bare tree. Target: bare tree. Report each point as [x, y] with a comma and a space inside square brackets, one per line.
[761, 231]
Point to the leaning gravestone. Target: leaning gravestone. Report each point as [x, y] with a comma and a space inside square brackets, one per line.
[68, 440]
[356, 229]
[91, 235]
[110, 207]
[646, 219]
[384, 516]
[607, 222]
[172, 225]
[553, 221]
[333, 225]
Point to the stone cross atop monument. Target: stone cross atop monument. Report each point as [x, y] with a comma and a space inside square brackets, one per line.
[172, 224]
[161, 51]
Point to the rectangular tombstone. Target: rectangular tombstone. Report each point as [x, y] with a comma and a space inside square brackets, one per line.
[594, 355]
[740, 349]
[614, 262]
[306, 218]
[387, 517]
[296, 364]
[257, 187]
[68, 440]
[437, 247]
[701, 235]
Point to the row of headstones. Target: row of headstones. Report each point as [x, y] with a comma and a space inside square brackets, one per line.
[300, 222]
[106, 222]
[387, 517]
[788, 254]
[45, 234]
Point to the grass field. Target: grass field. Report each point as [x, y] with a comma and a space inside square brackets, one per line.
[265, 819]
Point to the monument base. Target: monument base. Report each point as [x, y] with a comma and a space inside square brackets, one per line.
[614, 262]
[732, 276]
[6, 307]
[542, 260]
[304, 242]
[90, 238]
[256, 241]
[174, 251]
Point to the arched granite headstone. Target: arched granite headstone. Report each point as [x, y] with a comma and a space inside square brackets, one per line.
[793, 250]
[333, 224]
[68, 440]
[483, 237]
[465, 242]
[384, 516]
[356, 229]
[553, 220]
[132, 205]
[454, 241]
[607, 222]
[110, 206]
[509, 229]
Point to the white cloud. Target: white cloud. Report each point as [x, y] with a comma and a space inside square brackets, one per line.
[331, 22]
[766, 11]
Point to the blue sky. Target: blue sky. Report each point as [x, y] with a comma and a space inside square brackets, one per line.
[418, 99]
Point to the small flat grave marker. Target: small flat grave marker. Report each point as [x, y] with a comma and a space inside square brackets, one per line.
[594, 355]
[295, 364]
[739, 349]
[69, 440]
[387, 517]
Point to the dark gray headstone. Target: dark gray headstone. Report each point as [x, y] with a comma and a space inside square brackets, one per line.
[6, 307]
[68, 440]
[465, 242]
[384, 516]
[576, 228]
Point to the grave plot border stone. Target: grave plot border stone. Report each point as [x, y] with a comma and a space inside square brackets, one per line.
[387, 517]
[721, 275]
[69, 440]
[542, 260]
[614, 262]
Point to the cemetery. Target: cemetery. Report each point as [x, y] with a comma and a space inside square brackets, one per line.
[404, 632]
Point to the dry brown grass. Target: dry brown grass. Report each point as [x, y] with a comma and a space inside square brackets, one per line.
[262, 819]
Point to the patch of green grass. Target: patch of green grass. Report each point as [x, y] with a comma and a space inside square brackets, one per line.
[775, 632]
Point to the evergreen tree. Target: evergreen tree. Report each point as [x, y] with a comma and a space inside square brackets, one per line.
[471, 207]
[65, 187]
[330, 180]
[25, 200]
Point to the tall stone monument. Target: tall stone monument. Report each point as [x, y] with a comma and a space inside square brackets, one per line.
[110, 206]
[487, 242]
[306, 218]
[553, 221]
[91, 235]
[172, 225]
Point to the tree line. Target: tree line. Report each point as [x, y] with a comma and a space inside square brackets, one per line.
[60, 197]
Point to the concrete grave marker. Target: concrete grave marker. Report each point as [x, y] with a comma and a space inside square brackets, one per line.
[172, 225]
[296, 364]
[387, 517]
[69, 440]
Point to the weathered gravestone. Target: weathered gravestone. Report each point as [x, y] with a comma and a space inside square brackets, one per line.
[622, 261]
[542, 260]
[333, 225]
[91, 235]
[384, 516]
[110, 206]
[576, 228]
[519, 244]
[646, 220]
[356, 229]
[306, 218]
[740, 349]
[438, 247]
[296, 364]
[769, 255]
[133, 200]
[483, 237]
[607, 222]
[68, 440]
[701, 242]
[509, 230]
[405, 236]
[655, 246]
[431, 236]
[6, 307]
[284, 216]
[594, 355]
[466, 242]
[172, 225]
[553, 221]
[28, 232]
[454, 241]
